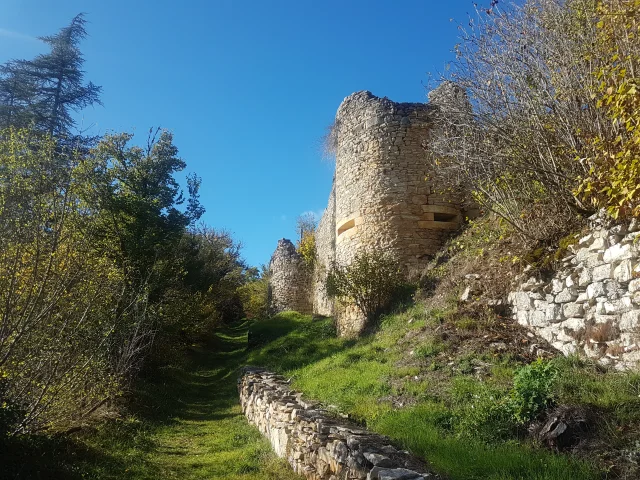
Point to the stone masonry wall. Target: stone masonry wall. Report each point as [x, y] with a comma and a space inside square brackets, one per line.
[382, 198]
[290, 280]
[592, 305]
[325, 256]
[316, 445]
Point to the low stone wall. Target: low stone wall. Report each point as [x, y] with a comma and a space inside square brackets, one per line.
[592, 304]
[318, 446]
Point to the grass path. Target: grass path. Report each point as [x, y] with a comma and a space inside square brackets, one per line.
[187, 424]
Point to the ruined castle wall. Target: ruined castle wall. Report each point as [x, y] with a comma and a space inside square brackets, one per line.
[325, 253]
[290, 280]
[382, 199]
[591, 306]
[316, 445]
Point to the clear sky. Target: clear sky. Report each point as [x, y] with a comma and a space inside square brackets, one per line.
[247, 87]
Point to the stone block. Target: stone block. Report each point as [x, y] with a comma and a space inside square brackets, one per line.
[540, 305]
[612, 307]
[553, 313]
[522, 317]
[537, 319]
[603, 272]
[623, 272]
[629, 321]
[595, 290]
[613, 289]
[572, 310]
[567, 295]
[573, 324]
[557, 285]
[522, 301]
[564, 336]
[582, 297]
[586, 240]
[615, 253]
[614, 239]
[548, 333]
[612, 319]
[634, 285]
[584, 278]
[598, 244]
[594, 259]
[532, 284]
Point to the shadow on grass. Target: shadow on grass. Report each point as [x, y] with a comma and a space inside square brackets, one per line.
[202, 389]
[290, 341]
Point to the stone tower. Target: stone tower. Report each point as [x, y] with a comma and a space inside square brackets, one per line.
[290, 280]
[382, 198]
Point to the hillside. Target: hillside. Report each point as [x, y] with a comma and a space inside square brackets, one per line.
[441, 383]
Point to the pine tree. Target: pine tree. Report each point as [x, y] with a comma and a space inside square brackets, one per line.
[17, 93]
[47, 89]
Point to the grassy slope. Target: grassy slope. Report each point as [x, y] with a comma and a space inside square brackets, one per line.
[187, 425]
[435, 404]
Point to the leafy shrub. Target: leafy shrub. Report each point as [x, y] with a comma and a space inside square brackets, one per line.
[307, 248]
[513, 144]
[306, 245]
[371, 281]
[614, 158]
[254, 297]
[532, 389]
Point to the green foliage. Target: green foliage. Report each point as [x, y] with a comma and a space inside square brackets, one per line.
[134, 198]
[254, 295]
[306, 244]
[306, 247]
[533, 389]
[290, 340]
[429, 349]
[464, 426]
[96, 262]
[370, 281]
[61, 342]
[185, 422]
[482, 411]
[47, 90]
[613, 159]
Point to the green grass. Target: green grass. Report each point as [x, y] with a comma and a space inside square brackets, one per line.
[447, 415]
[186, 423]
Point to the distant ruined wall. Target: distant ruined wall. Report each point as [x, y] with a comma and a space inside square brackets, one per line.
[591, 306]
[290, 280]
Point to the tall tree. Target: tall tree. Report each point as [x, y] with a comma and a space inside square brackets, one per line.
[134, 198]
[17, 93]
[51, 86]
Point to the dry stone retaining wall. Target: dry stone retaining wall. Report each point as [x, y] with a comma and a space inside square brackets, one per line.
[318, 446]
[592, 305]
[290, 280]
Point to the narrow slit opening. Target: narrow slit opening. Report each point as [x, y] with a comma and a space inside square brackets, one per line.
[444, 217]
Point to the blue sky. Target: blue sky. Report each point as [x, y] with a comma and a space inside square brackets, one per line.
[247, 87]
